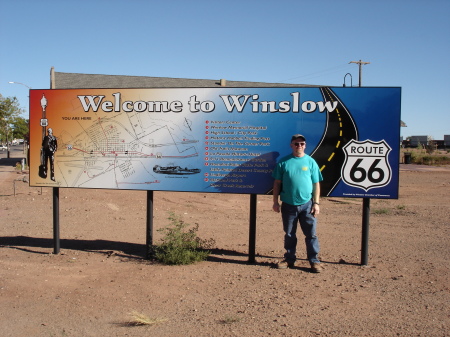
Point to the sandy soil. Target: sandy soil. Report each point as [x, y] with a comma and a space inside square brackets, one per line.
[100, 276]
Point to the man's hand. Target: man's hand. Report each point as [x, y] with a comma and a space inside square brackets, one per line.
[315, 210]
[276, 194]
[276, 207]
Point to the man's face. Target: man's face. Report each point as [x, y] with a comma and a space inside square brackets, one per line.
[298, 147]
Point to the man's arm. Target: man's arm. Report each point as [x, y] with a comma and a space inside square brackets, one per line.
[315, 209]
[276, 193]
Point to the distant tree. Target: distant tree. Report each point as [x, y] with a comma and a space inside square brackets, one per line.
[10, 110]
[21, 129]
[431, 146]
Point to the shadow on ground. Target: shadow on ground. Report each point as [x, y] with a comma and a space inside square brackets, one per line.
[118, 248]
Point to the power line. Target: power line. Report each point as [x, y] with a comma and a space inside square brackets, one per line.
[317, 73]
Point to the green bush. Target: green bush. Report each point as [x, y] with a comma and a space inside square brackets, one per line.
[429, 159]
[181, 245]
[18, 166]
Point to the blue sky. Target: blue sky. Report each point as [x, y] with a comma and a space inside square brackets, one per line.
[309, 42]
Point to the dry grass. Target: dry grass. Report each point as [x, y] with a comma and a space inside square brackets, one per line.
[139, 319]
[230, 320]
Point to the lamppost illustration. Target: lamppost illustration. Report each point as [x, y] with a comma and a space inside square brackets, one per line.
[44, 121]
[49, 145]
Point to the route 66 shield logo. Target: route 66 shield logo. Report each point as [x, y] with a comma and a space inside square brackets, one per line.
[366, 165]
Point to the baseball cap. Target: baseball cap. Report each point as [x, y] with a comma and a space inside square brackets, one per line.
[294, 137]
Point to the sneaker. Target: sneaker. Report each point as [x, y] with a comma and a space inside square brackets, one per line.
[316, 267]
[285, 264]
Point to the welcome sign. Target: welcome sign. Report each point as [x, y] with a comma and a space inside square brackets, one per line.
[224, 140]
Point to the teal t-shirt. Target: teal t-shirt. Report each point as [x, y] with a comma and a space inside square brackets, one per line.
[297, 175]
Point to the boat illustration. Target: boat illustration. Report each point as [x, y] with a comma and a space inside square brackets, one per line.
[177, 170]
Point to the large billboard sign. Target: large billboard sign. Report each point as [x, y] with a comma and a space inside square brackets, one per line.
[224, 140]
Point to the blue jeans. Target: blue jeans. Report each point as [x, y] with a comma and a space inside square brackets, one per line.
[292, 215]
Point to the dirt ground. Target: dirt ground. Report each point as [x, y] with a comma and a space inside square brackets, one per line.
[100, 277]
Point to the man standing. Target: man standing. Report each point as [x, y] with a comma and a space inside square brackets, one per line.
[297, 182]
[49, 147]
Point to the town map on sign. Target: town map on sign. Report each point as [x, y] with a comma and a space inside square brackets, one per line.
[123, 151]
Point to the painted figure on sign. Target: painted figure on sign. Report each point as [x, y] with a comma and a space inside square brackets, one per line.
[49, 147]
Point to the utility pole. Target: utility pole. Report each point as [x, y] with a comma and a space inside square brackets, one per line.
[366, 202]
[360, 63]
